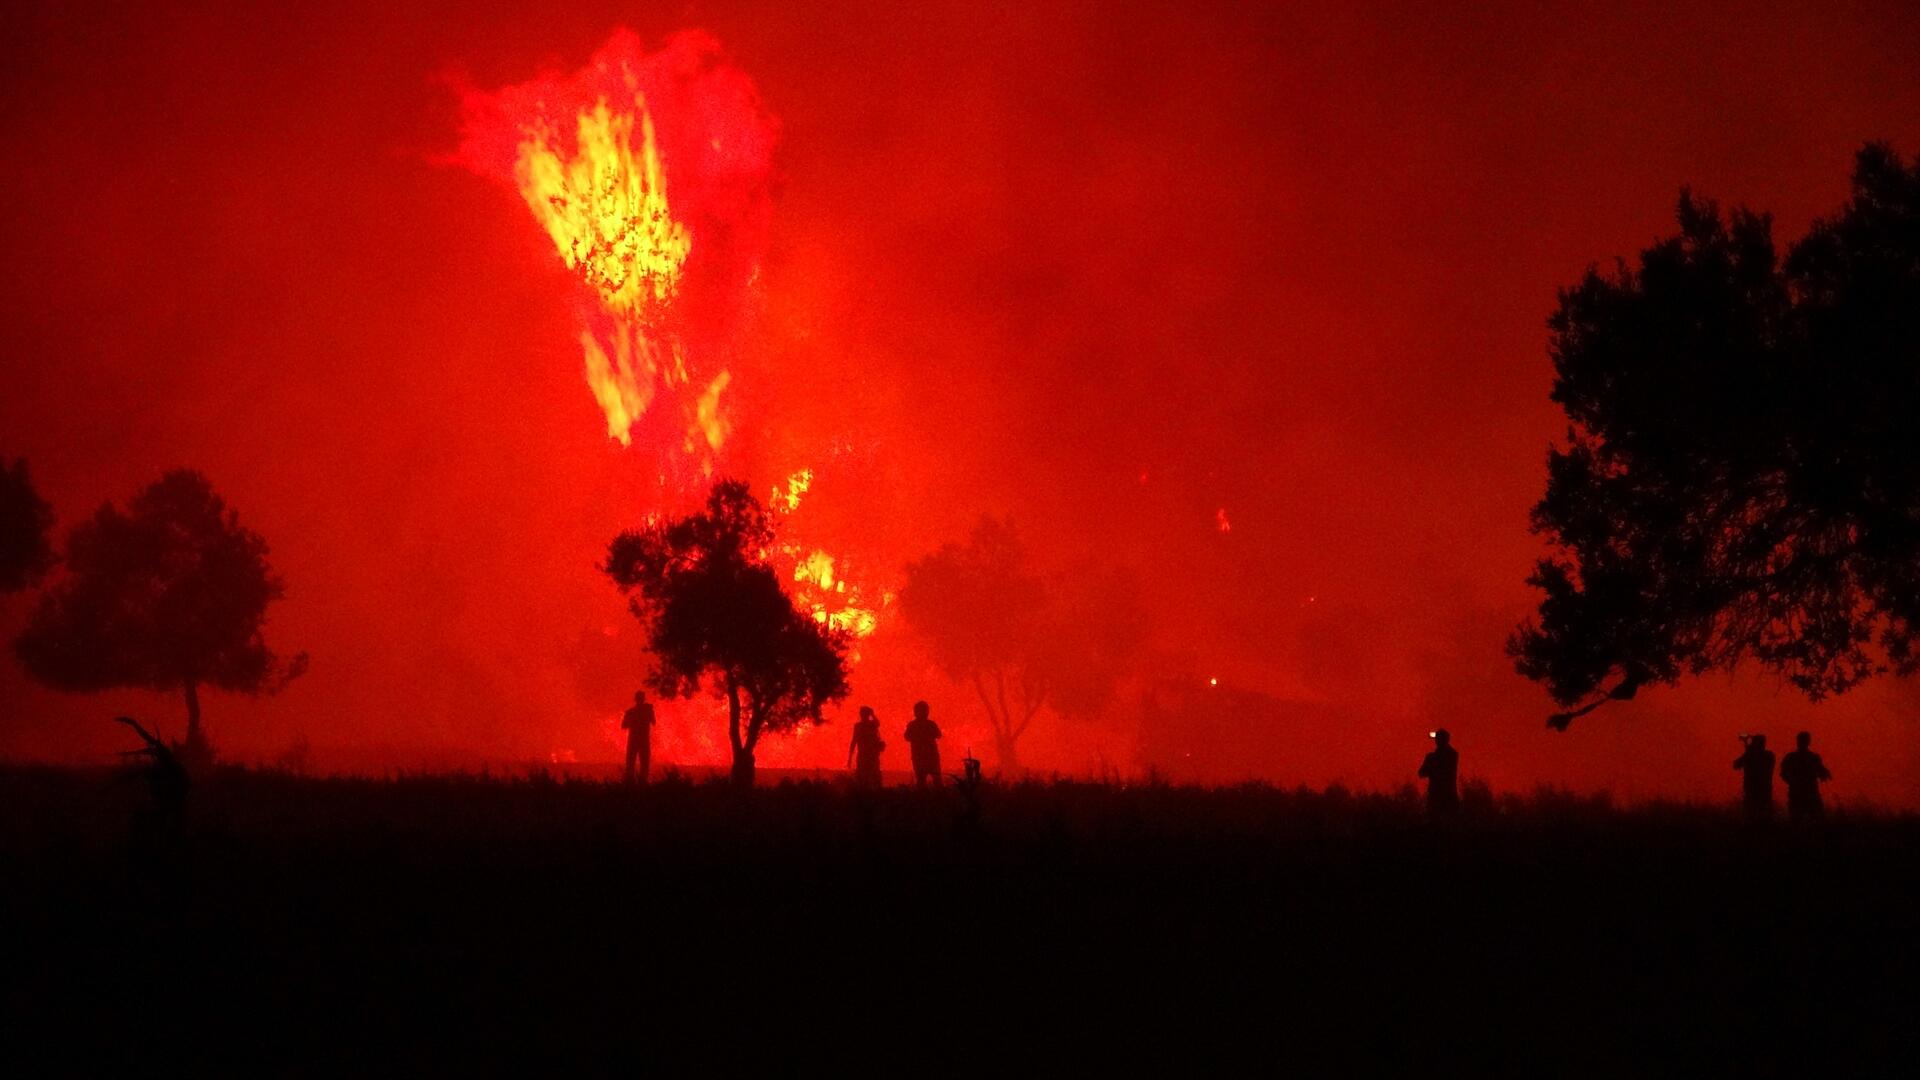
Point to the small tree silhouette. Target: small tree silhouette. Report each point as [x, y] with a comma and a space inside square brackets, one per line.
[170, 595]
[25, 522]
[1741, 473]
[715, 615]
[993, 623]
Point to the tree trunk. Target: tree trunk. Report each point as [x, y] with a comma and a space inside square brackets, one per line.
[195, 750]
[742, 747]
[1005, 746]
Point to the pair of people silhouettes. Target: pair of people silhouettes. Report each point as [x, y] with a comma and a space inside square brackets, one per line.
[1802, 770]
[923, 740]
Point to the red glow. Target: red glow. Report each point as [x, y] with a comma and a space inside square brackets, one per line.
[1247, 302]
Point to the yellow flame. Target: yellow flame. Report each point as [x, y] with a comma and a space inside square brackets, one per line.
[828, 596]
[709, 420]
[817, 568]
[604, 205]
[605, 209]
[796, 486]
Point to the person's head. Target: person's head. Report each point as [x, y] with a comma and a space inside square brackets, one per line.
[919, 710]
[1440, 736]
[1803, 739]
[866, 712]
[639, 697]
[1758, 742]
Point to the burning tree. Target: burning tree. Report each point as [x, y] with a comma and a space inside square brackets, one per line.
[996, 625]
[25, 522]
[170, 595]
[1741, 477]
[716, 616]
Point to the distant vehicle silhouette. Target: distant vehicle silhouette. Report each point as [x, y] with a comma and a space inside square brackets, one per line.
[1802, 770]
[1441, 769]
[863, 752]
[167, 782]
[1756, 766]
[638, 723]
[923, 736]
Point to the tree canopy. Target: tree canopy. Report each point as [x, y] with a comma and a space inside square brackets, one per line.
[1023, 644]
[26, 522]
[1740, 477]
[169, 594]
[717, 617]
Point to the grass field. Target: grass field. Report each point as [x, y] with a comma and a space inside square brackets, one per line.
[444, 924]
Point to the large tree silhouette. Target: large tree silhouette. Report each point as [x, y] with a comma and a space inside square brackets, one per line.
[169, 595]
[25, 522]
[994, 624]
[1741, 473]
[716, 616]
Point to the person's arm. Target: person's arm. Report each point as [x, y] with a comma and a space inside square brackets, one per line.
[1424, 763]
[1821, 771]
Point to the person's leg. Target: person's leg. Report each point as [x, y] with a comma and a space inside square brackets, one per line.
[646, 762]
[630, 752]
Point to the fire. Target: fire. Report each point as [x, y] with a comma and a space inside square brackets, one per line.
[649, 173]
[605, 209]
[831, 598]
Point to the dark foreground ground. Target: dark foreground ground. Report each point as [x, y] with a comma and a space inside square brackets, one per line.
[445, 925]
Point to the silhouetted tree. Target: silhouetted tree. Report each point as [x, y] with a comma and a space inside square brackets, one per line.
[25, 522]
[994, 624]
[715, 614]
[1741, 473]
[170, 595]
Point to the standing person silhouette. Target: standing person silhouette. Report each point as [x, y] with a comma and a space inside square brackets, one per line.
[923, 736]
[1441, 768]
[639, 726]
[865, 748]
[1756, 767]
[1803, 770]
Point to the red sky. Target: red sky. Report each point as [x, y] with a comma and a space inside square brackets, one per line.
[1293, 264]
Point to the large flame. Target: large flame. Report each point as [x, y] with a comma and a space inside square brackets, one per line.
[605, 208]
[606, 211]
[644, 210]
[648, 172]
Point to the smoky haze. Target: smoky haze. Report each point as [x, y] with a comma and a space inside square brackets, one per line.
[1248, 306]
